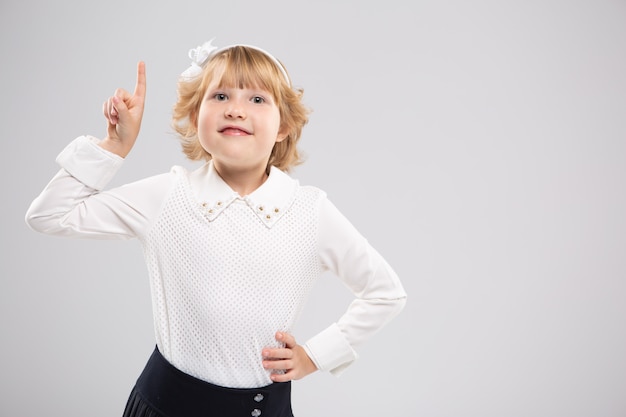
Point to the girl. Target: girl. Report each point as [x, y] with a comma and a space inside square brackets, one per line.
[232, 248]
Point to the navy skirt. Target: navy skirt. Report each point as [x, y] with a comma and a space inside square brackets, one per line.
[165, 391]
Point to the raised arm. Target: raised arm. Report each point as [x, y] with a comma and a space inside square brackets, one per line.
[73, 203]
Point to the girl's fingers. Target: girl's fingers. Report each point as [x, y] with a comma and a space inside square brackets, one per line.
[118, 106]
[109, 112]
[278, 353]
[278, 365]
[140, 86]
[292, 361]
[286, 338]
[112, 110]
[115, 106]
[286, 377]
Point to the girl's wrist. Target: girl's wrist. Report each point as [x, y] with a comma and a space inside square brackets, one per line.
[114, 146]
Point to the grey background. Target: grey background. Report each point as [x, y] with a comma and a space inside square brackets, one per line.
[479, 145]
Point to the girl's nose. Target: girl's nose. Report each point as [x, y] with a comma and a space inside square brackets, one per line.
[234, 110]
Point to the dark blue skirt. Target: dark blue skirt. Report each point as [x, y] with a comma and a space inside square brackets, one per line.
[165, 391]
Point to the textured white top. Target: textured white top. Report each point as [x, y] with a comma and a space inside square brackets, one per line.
[226, 272]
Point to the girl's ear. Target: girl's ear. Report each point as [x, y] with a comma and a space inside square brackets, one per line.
[282, 134]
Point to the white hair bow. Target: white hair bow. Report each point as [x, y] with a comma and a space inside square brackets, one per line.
[201, 54]
[198, 57]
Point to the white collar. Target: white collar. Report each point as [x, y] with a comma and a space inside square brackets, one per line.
[269, 202]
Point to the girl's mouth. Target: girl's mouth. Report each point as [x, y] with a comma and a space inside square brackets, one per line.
[234, 131]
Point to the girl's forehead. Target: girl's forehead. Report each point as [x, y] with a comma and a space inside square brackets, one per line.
[231, 75]
[235, 84]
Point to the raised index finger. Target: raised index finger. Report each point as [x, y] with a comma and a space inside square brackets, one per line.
[140, 87]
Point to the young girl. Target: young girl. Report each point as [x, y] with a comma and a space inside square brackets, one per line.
[232, 248]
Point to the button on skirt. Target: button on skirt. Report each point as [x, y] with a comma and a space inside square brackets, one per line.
[163, 390]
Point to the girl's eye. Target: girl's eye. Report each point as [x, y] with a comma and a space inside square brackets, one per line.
[258, 100]
[220, 97]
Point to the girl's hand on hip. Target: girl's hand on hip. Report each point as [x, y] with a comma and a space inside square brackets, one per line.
[292, 359]
[123, 112]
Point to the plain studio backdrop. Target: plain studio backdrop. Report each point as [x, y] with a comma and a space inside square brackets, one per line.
[479, 145]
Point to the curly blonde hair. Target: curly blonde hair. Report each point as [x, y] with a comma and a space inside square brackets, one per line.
[242, 67]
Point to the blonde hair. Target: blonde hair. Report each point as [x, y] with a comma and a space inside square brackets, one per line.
[242, 67]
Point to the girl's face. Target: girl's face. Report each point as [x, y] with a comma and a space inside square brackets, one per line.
[239, 126]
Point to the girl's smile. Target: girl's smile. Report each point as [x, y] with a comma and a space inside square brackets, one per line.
[231, 130]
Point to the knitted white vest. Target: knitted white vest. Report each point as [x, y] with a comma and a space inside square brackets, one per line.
[225, 277]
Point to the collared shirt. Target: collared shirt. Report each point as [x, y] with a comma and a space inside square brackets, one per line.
[226, 271]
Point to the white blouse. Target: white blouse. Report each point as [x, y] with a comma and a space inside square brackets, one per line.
[226, 271]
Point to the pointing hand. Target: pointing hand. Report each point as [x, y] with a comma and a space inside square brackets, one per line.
[123, 112]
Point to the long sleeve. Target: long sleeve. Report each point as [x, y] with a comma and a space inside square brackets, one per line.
[74, 205]
[379, 294]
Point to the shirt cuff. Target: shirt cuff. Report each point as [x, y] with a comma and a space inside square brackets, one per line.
[89, 163]
[330, 351]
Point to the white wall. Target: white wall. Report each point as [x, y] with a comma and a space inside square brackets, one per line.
[479, 145]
